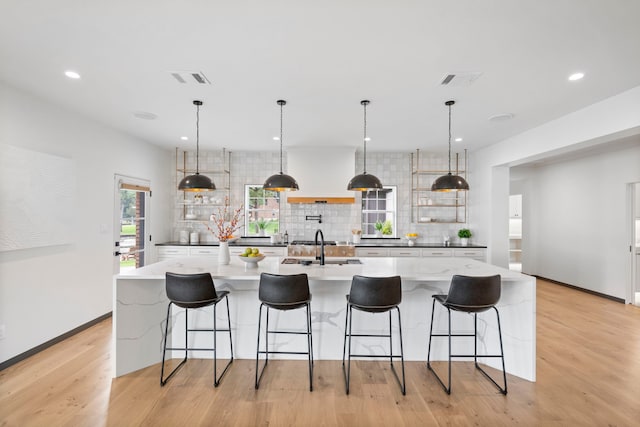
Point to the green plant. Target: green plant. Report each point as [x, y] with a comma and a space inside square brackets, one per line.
[387, 228]
[464, 233]
[379, 225]
[261, 223]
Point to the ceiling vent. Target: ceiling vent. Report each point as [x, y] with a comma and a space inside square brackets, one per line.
[190, 77]
[459, 79]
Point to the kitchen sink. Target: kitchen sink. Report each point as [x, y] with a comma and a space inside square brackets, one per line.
[329, 261]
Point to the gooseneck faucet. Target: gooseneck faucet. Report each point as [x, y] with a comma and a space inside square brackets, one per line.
[321, 257]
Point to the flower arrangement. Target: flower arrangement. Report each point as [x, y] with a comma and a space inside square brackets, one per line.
[222, 228]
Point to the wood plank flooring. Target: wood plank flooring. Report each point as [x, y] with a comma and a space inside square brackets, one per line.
[588, 375]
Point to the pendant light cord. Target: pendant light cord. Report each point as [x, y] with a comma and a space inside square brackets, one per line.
[281, 105]
[197, 139]
[449, 139]
[364, 103]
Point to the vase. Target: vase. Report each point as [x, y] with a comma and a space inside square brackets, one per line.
[223, 254]
[464, 241]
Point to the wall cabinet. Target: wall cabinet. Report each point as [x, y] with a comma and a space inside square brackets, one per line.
[432, 206]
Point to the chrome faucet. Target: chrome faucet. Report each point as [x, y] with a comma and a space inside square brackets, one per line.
[321, 257]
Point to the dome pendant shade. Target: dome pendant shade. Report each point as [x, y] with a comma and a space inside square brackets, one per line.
[449, 182]
[196, 183]
[280, 182]
[364, 182]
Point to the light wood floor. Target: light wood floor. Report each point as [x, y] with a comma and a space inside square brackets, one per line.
[588, 375]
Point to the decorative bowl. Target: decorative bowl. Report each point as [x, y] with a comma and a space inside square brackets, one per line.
[411, 240]
[252, 262]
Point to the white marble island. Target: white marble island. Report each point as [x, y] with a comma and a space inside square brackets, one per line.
[140, 303]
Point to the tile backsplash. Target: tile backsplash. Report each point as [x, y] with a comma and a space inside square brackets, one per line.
[251, 167]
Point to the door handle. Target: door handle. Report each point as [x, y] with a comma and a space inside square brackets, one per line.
[117, 253]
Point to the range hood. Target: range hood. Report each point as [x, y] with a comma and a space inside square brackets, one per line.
[322, 174]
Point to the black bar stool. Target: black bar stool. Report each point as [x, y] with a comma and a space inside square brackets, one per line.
[194, 291]
[471, 295]
[284, 292]
[373, 295]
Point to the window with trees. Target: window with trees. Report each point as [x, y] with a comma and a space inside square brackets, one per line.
[262, 211]
[379, 212]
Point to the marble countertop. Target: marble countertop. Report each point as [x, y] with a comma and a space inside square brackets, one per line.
[439, 268]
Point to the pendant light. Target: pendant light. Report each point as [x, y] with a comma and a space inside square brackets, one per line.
[280, 181]
[450, 182]
[364, 181]
[197, 182]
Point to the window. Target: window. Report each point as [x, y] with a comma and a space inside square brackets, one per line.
[262, 211]
[379, 206]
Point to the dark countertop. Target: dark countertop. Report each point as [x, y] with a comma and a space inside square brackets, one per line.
[265, 243]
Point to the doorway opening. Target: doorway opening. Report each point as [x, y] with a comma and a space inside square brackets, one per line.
[634, 246]
[131, 223]
[515, 232]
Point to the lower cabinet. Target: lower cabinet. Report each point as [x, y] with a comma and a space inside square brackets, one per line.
[478, 254]
[168, 252]
[371, 252]
[475, 253]
[432, 252]
[405, 252]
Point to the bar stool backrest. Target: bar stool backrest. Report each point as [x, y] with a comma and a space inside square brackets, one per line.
[190, 290]
[284, 291]
[473, 293]
[375, 294]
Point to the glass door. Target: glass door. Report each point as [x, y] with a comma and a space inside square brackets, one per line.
[131, 227]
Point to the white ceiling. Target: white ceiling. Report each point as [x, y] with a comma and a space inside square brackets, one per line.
[323, 57]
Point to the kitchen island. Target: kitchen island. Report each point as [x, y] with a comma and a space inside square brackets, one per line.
[140, 303]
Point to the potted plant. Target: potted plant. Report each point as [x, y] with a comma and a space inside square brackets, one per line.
[464, 234]
[387, 228]
[261, 225]
[378, 227]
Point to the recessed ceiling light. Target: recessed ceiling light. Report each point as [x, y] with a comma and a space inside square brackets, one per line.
[458, 139]
[576, 76]
[145, 115]
[367, 139]
[276, 138]
[503, 117]
[184, 138]
[72, 74]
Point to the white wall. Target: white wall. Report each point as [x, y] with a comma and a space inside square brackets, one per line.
[45, 292]
[580, 227]
[604, 122]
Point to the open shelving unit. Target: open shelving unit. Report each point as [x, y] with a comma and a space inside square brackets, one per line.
[432, 207]
[218, 168]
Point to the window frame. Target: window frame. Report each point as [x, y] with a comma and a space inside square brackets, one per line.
[248, 224]
[390, 214]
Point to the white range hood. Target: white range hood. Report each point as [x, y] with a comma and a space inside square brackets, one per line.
[323, 174]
